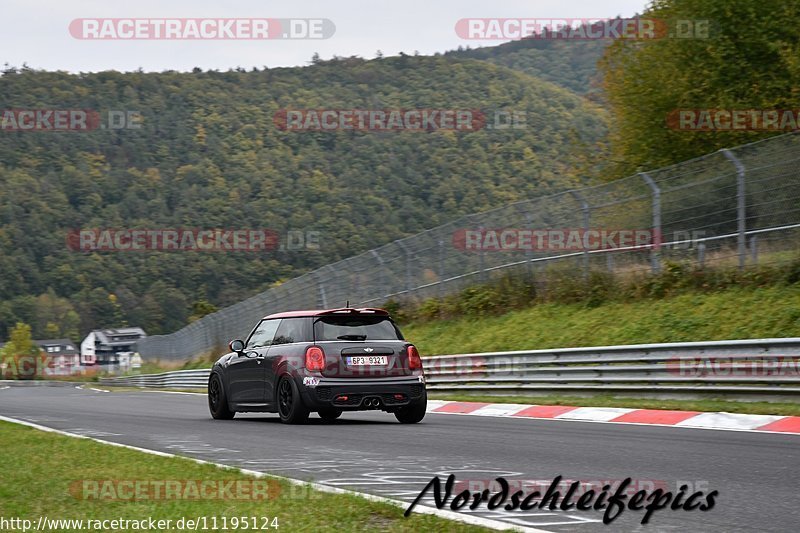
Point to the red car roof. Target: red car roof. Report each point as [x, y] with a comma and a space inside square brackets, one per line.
[323, 312]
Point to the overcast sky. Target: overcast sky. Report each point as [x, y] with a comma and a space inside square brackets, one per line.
[37, 32]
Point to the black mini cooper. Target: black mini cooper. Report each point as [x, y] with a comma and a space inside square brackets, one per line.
[324, 361]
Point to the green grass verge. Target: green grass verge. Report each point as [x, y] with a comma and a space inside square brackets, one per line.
[38, 474]
[727, 406]
[735, 313]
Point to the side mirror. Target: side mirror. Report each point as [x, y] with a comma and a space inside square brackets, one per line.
[237, 346]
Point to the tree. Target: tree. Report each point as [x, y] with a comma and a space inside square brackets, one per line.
[201, 308]
[749, 60]
[20, 353]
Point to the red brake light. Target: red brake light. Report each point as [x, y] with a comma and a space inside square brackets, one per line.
[414, 362]
[315, 358]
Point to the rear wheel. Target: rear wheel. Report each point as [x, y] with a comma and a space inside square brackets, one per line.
[217, 401]
[412, 413]
[329, 415]
[290, 406]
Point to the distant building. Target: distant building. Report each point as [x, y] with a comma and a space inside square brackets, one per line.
[62, 353]
[61, 357]
[110, 347]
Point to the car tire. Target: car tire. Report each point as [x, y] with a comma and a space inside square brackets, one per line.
[412, 413]
[217, 400]
[329, 415]
[291, 408]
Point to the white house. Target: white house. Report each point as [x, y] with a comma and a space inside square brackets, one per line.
[110, 347]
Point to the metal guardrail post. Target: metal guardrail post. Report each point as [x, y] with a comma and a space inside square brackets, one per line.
[655, 260]
[741, 209]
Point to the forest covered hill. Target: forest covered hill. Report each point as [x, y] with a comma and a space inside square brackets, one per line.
[209, 153]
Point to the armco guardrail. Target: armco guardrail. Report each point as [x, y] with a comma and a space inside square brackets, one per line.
[179, 379]
[755, 368]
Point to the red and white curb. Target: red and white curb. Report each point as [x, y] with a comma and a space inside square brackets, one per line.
[654, 417]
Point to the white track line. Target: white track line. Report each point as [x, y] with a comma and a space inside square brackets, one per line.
[469, 519]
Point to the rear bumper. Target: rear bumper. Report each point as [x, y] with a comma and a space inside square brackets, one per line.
[361, 394]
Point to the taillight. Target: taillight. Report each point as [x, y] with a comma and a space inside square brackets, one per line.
[414, 362]
[315, 358]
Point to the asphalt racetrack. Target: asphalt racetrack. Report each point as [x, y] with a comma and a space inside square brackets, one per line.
[755, 473]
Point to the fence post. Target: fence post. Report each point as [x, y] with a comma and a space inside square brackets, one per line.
[655, 260]
[481, 258]
[701, 254]
[754, 249]
[381, 270]
[408, 265]
[586, 210]
[529, 252]
[441, 268]
[323, 299]
[741, 213]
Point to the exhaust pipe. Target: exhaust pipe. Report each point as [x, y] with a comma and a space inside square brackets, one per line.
[372, 402]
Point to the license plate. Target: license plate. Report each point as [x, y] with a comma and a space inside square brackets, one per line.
[367, 360]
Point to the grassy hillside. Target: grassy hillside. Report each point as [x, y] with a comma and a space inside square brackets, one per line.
[209, 155]
[734, 313]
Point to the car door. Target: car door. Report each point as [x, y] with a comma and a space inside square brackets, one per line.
[246, 372]
[290, 341]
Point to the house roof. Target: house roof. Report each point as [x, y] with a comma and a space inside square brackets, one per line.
[110, 336]
[55, 342]
[73, 350]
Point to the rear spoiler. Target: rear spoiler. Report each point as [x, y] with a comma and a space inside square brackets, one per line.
[353, 311]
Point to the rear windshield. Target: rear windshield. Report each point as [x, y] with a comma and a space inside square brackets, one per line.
[355, 328]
